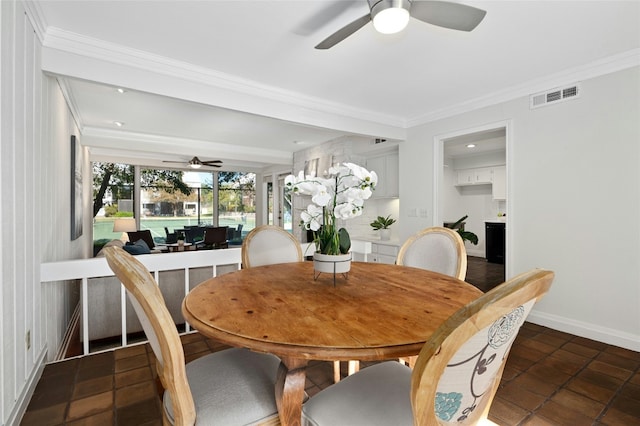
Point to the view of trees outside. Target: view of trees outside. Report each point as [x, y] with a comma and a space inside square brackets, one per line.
[171, 199]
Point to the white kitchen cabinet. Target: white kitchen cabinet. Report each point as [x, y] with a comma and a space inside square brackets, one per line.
[478, 176]
[466, 177]
[484, 175]
[387, 169]
[384, 253]
[499, 184]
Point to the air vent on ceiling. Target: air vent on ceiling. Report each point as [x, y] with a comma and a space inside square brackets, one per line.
[554, 95]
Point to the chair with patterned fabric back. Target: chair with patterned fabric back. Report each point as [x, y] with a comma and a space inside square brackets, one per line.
[457, 372]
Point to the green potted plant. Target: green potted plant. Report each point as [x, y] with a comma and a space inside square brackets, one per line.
[339, 195]
[382, 224]
[465, 235]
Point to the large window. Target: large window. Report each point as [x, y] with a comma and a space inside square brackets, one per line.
[237, 202]
[165, 208]
[170, 200]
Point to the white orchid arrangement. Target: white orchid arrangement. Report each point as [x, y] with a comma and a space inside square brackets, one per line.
[340, 195]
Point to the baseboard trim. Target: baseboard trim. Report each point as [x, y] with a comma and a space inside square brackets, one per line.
[74, 323]
[22, 402]
[475, 253]
[587, 330]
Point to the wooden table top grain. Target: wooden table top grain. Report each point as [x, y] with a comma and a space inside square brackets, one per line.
[378, 312]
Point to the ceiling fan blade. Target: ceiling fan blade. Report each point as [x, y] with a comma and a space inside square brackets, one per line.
[344, 32]
[329, 12]
[454, 16]
[195, 162]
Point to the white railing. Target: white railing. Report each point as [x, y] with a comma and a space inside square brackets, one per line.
[85, 269]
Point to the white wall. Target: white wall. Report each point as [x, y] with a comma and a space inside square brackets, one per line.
[35, 128]
[574, 191]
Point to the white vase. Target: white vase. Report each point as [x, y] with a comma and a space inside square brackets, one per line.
[331, 263]
[385, 234]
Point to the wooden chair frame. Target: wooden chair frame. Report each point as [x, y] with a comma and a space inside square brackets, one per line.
[448, 379]
[461, 269]
[455, 332]
[171, 363]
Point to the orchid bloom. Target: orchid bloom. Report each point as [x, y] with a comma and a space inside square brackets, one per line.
[340, 195]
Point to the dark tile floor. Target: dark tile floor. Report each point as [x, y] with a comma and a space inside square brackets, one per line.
[483, 274]
[551, 378]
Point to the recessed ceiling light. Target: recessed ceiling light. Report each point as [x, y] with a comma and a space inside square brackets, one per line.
[471, 145]
[118, 123]
[120, 90]
[299, 142]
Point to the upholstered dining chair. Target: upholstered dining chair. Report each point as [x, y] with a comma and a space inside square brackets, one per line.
[229, 387]
[457, 373]
[216, 237]
[268, 244]
[437, 249]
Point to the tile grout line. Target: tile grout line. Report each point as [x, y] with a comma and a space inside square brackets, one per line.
[616, 393]
[559, 387]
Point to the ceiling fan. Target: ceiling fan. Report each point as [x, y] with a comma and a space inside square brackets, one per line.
[392, 16]
[196, 163]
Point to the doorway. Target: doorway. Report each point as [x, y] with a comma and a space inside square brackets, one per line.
[471, 179]
[279, 207]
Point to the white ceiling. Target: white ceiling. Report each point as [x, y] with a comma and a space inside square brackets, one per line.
[483, 142]
[369, 84]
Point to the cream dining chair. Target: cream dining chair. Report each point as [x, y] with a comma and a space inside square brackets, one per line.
[437, 249]
[457, 373]
[268, 244]
[228, 387]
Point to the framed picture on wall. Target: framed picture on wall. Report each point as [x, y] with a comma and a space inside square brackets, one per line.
[76, 189]
[311, 167]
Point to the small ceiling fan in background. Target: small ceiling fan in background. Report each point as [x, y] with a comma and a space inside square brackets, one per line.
[392, 16]
[196, 163]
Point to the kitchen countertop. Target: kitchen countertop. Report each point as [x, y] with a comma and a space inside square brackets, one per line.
[376, 240]
[502, 219]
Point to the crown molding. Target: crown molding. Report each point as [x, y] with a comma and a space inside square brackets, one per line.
[155, 160]
[66, 41]
[118, 140]
[71, 102]
[594, 69]
[36, 17]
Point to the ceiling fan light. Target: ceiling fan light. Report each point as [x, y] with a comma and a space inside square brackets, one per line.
[391, 20]
[195, 163]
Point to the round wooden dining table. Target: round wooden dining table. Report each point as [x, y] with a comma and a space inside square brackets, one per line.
[377, 312]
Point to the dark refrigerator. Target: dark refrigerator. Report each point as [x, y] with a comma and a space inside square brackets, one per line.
[495, 241]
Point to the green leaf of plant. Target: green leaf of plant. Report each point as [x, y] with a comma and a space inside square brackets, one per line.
[345, 240]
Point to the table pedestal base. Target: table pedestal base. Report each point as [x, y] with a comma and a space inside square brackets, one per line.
[290, 390]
